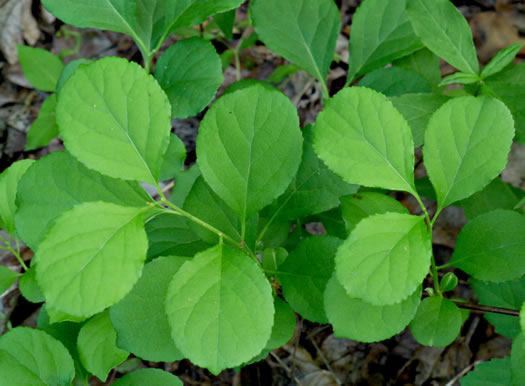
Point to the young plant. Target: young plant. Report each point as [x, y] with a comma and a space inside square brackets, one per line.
[195, 276]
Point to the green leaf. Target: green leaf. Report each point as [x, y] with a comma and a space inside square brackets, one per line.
[149, 376]
[97, 346]
[282, 72]
[93, 243]
[509, 87]
[443, 29]
[437, 322]
[508, 294]
[245, 83]
[425, 63]
[303, 278]
[395, 81]
[303, 32]
[251, 139]
[314, 189]
[7, 278]
[363, 138]
[54, 176]
[501, 60]
[495, 372]
[272, 258]
[69, 70]
[460, 78]
[448, 282]
[32, 357]
[57, 316]
[496, 195]
[190, 73]
[491, 247]
[173, 159]
[381, 33]
[220, 308]
[417, 110]
[466, 146]
[385, 258]
[362, 205]
[200, 10]
[226, 22]
[139, 319]
[41, 68]
[170, 235]
[9, 181]
[29, 286]
[44, 128]
[107, 124]
[183, 183]
[517, 358]
[353, 318]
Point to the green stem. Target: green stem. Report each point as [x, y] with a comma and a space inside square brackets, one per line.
[324, 90]
[16, 252]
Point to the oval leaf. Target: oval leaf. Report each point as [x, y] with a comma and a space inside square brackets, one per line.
[466, 146]
[385, 258]
[491, 247]
[149, 377]
[501, 60]
[495, 372]
[44, 128]
[251, 139]
[437, 322]
[353, 318]
[106, 122]
[41, 68]
[98, 243]
[364, 139]
[220, 309]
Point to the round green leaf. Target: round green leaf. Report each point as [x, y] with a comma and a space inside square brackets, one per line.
[304, 274]
[356, 319]
[63, 182]
[491, 247]
[41, 68]
[97, 346]
[517, 358]
[91, 257]
[495, 372]
[363, 138]
[149, 377]
[220, 308]
[190, 73]
[385, 258]
[249, 148]
[140, 320]
[32, 357]
[467, 141]
[437, 322]
[116, 119]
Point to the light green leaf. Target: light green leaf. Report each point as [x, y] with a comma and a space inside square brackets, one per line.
[425, 63]
[7, 278]
[173, 159]
[149, 376]
[448, 282]
[496, 195]
[362, 205]
[501, 60]
[353, 318]
[54, 175]
[97, 346]
[381, 33]
[509, 87]
[395, 81]
[41, 68]
[466, 146]
[69, 70]
[200, 10]
[28, 286]
[363, 138]
[32, 357]
[517, 358]
[314, 189]
[443, 29]
[304, 274]
[303, 32]
[460, 78]
[437, 322]
[107, 124]
[9, 181]
[190, 73]
[220, 308]
[508, 294]
[385, 258]
[272, 258]
[171, 235]
[495, 372]
[417, 110]
[93, 243]
[139, 319]
[44, 128]
[226, 22]
[57, 316]
[251, 139]
[491, 247]
[183, 183]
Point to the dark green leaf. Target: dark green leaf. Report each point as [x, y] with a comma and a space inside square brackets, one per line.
[395, 81]
[425, 63]
[226, 22]
[44, 128]
[495, 372]
[149, 376]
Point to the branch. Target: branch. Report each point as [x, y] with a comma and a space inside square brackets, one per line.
[482, 309]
